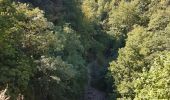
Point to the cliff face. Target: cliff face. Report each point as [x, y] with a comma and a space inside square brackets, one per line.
[52, 8]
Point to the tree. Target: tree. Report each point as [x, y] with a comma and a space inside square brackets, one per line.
[154, 84]
[143, 45]
[37, 58]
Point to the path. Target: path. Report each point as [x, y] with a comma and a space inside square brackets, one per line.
[90, 92]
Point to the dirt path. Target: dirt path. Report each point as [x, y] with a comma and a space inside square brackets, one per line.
[94, 94]
[90, 92]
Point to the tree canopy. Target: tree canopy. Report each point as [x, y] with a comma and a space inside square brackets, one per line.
[47, 46]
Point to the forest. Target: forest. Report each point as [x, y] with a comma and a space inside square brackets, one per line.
[84, 49]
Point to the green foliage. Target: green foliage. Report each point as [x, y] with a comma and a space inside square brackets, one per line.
[154, 84]
[38, 59]
[95, 10]
[133, 66]
[47, 61]
[15, 66]
[123, 15]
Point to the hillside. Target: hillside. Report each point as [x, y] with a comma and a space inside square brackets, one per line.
[84, 49]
